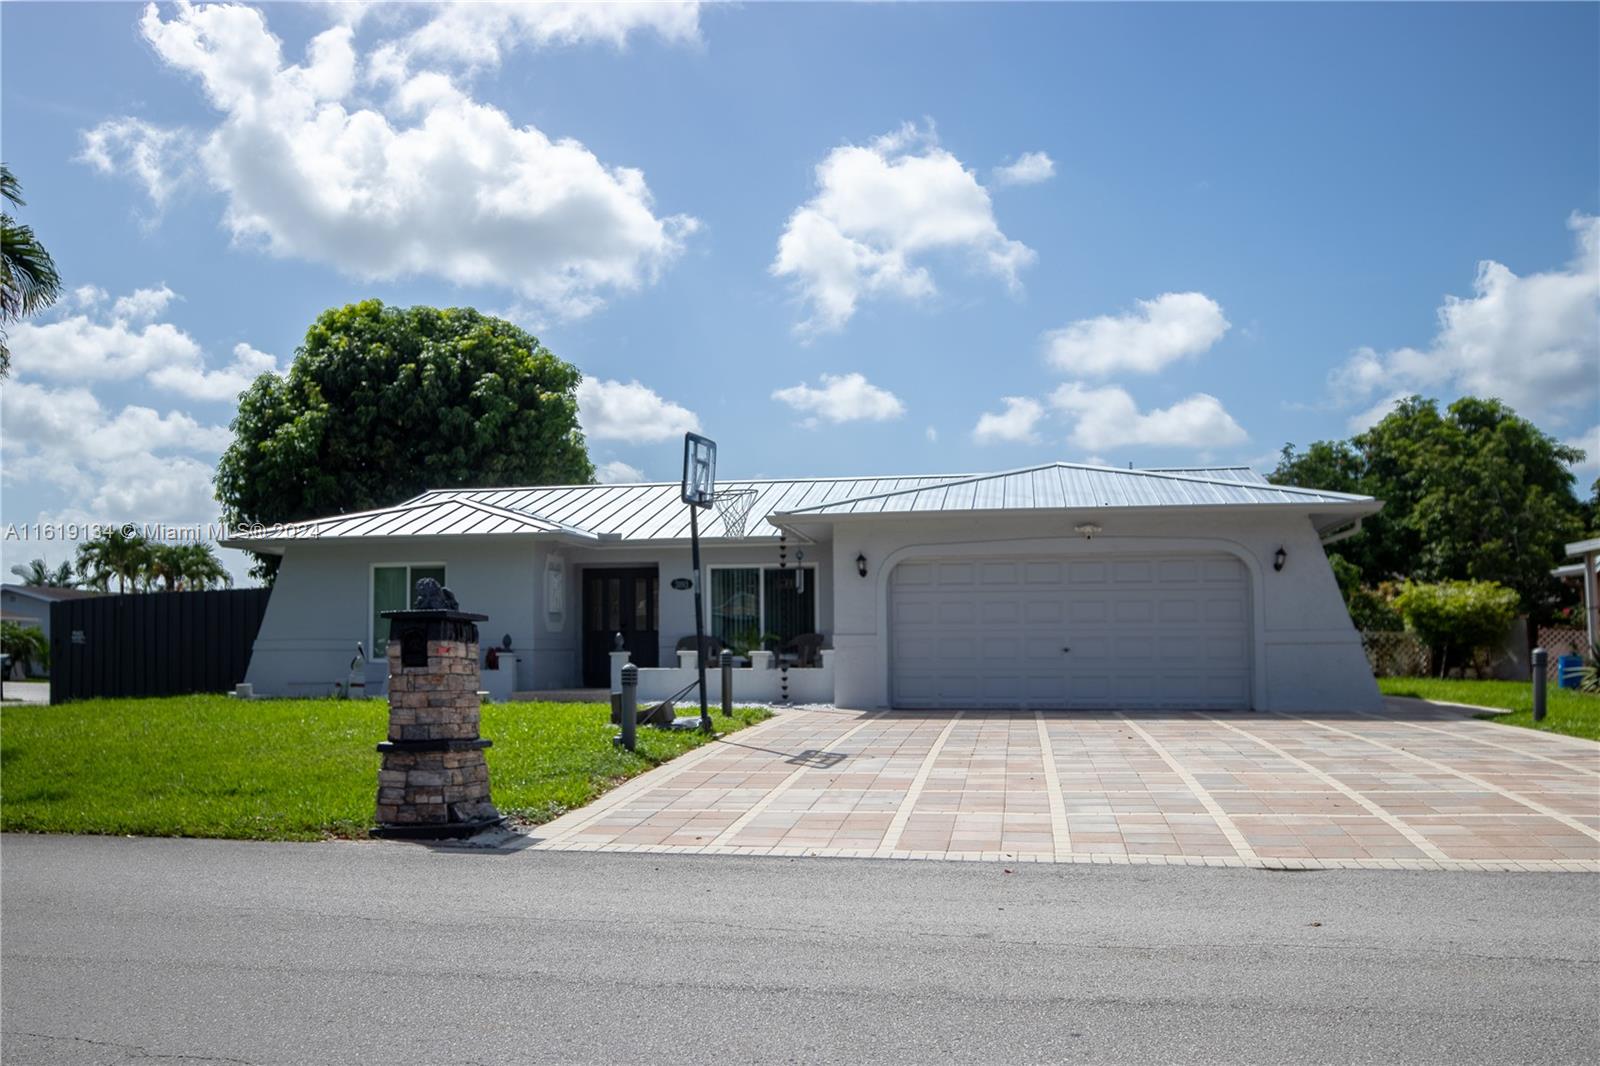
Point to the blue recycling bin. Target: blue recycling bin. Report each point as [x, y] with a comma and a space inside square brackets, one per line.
[1568, 667]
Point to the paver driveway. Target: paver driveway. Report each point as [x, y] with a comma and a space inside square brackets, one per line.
[1421, 787]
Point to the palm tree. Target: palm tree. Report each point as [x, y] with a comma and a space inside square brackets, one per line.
[28, 278]
[187, 567]
[115, 554]
[37, 573]
[202, 569]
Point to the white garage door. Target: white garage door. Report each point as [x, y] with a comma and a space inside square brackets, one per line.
[1111, 632]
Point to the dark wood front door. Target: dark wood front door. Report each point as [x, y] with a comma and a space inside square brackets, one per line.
[626, 601]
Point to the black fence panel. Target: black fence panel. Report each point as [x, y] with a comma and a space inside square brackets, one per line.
[153, 643]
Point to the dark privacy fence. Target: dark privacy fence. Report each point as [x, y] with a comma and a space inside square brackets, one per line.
[152, 643]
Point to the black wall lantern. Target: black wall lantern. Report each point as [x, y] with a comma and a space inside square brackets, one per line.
[1279, 557]
[861, 565]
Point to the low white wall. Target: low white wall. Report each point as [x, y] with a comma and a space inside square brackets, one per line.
[760, 682]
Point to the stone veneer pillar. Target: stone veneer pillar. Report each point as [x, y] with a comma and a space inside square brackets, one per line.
[434, 781]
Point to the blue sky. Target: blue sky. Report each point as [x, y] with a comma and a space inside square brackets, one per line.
[1224, 227]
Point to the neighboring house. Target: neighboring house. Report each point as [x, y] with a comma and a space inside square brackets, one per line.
[30, 604]
[1057, 586]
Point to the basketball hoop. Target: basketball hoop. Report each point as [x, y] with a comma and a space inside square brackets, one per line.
[699, 470]
[733, 506]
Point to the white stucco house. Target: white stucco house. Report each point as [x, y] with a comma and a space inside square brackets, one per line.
[1060, 586]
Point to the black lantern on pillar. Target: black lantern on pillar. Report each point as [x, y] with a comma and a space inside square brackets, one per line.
[1279, 557]
[861, 565]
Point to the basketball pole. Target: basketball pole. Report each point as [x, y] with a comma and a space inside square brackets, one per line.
[699, 617]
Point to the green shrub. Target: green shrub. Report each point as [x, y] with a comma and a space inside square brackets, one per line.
[25, 644]
[1461, 619]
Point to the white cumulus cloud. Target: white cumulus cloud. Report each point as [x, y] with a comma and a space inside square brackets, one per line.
[1030, 168]
[1160, 331]
[1107, 418]
[1013, 425]
[629, 411]
[478, 34]
[842, 398]
[225, 383]
[617, 472]
[1531, 340]
[117, 342]
[159, 158]
[134, 464]
[1588, 468]
[420, 180]
[880, 209]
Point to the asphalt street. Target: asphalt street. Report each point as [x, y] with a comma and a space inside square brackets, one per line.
[132, 951]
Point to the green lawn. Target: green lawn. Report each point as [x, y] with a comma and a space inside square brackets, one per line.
[1576, 714]
[213, 766]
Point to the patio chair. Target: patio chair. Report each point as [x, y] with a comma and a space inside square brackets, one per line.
[805, 648]
[712, 652]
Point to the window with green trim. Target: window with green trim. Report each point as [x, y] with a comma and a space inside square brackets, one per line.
[393, 589]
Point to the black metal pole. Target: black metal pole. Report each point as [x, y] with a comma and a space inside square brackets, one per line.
[699, 616]
[1541, 659]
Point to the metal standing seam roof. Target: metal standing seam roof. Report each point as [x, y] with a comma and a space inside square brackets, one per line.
[654, 511]
[419, 517]
[1070, 486]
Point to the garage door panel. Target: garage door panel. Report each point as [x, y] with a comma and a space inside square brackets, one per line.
[1139, 610]
[1132, 573]
[1178, 571]
[992, 574]
[1088, 609]
[1145, 632]
[956, 573]
[1044, 612]
[1000, 612]
[1225, 609]
[1087, 573]
[1180, 610]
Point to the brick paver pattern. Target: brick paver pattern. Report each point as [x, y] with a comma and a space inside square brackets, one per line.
[1418, 788]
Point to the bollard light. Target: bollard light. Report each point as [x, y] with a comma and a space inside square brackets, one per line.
[1541, 659]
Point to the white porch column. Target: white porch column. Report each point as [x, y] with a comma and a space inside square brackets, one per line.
[619, 659]
[1591, 598]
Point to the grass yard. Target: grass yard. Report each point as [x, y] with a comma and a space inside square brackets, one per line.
[1576, 714]
[213, 766]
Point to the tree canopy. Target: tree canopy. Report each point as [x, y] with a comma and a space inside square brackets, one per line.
[29, 281]
[1475, 492]
[382, 403]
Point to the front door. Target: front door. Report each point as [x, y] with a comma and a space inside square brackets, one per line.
[621, 600]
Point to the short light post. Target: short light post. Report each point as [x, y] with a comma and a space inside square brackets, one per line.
[727, 683]
[629, 714]
[1540, 679]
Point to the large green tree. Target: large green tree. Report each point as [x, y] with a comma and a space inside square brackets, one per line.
[1474, 492]
[28, 278]
[382, 403]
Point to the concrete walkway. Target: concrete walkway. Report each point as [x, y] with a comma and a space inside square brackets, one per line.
[1423, 787]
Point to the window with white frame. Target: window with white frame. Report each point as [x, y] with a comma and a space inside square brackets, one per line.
[753, 607]
[393, 586]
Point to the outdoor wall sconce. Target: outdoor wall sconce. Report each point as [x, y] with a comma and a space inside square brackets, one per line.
[861, 565]
[1088, 529]
[1279, 557]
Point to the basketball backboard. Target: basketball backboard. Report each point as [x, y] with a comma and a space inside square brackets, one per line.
[699, 469]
